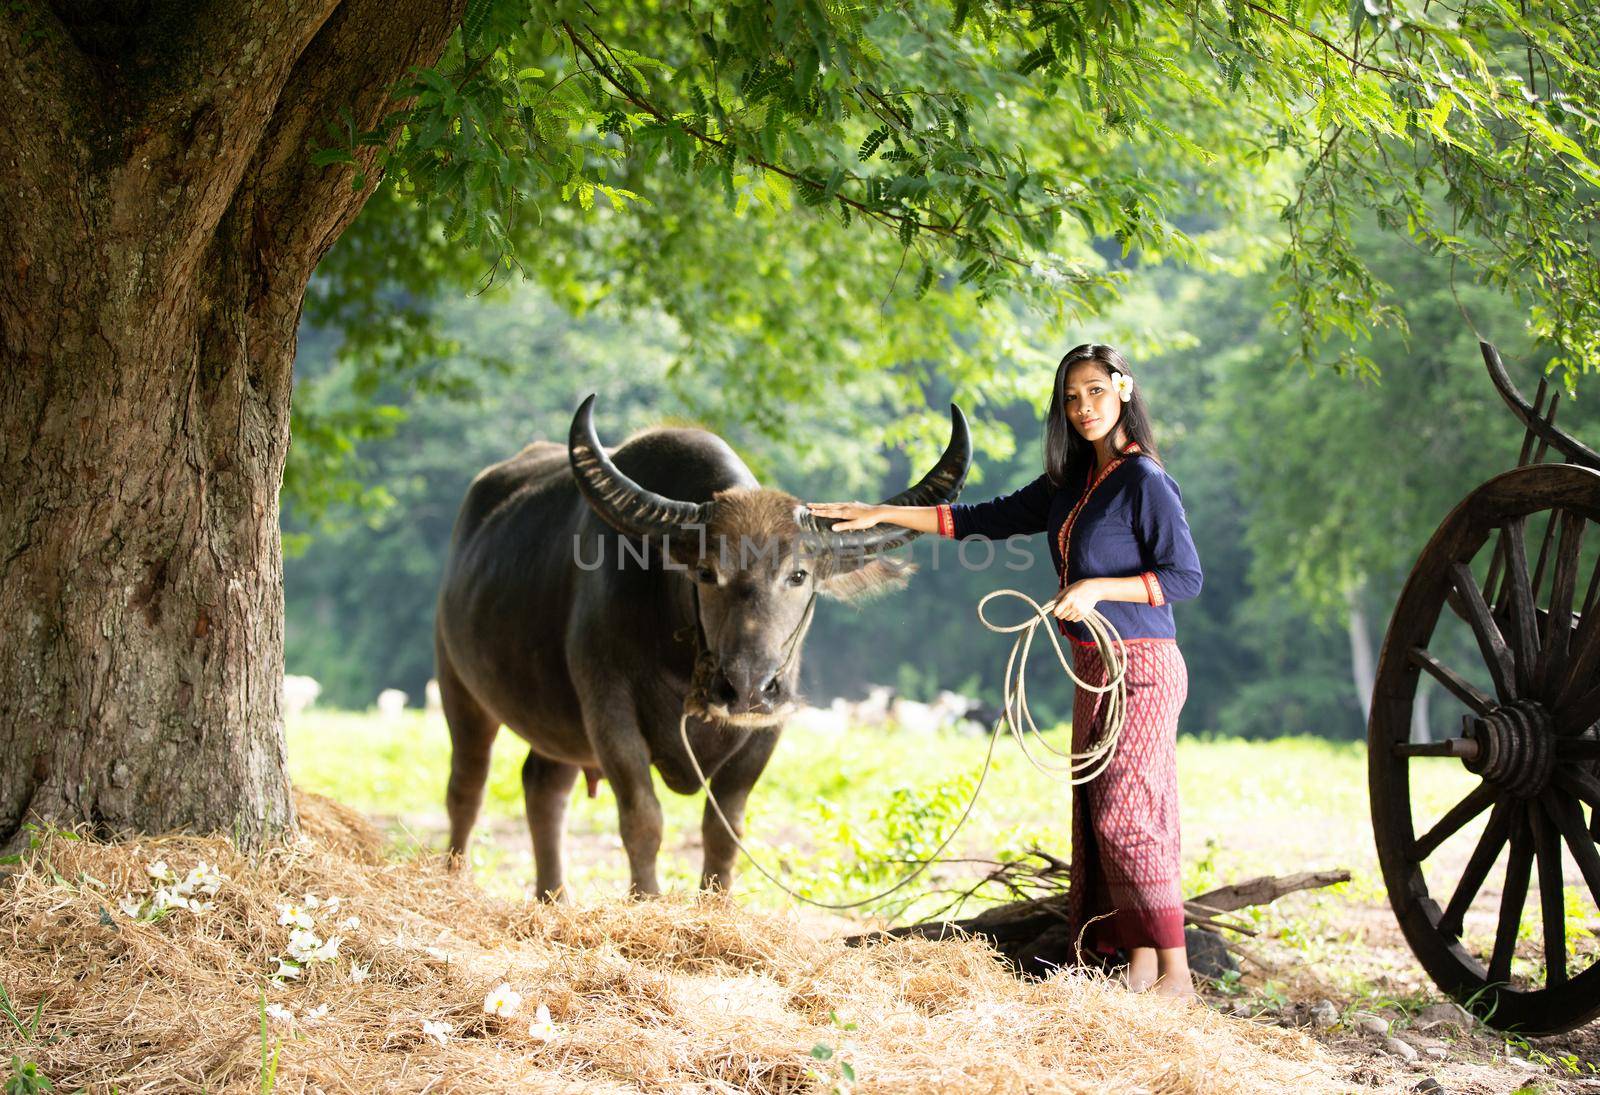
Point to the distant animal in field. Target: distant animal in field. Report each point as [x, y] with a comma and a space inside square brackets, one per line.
[593, 597]
[391, 704]
[299, 693]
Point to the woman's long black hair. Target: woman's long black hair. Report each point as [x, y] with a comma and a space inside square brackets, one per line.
[1068, 456]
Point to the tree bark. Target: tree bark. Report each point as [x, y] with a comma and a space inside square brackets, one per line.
[162, 224]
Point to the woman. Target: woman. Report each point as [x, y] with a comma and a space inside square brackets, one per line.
[1121, 546]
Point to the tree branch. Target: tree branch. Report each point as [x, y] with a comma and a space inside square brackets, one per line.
[354, 62]
[882, 216]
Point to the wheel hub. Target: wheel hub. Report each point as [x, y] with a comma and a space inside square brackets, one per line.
[1516, 747]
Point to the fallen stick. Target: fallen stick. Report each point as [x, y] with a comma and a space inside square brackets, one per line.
[1261, 891]
[1033, 932]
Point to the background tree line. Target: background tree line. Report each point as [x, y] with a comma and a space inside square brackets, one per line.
[1309, 496]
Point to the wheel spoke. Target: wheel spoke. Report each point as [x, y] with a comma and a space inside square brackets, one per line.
[1584, 662]
[1574, 718]
[1544, 554]
[1558, 623]
[1552, 898]
[1522, 458]
[1594, 588]
[1572, 749]
[1453, 682]
[1564, 812]
[1520, 604]
[1496, 655]
[1483, 857]
[1449, 825]
[1580, 784]
[1512, 896]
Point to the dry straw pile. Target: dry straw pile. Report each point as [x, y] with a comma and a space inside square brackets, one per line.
[675, 995]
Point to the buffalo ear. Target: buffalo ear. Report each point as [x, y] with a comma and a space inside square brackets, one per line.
[863, 578]
[683, 550]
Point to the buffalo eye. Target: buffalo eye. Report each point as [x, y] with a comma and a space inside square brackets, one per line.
[705, 574]
[798, 578]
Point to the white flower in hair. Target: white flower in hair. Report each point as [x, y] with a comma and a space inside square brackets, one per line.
[1122, 384]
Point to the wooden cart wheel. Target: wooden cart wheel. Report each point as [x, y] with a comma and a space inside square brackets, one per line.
[1529, 739]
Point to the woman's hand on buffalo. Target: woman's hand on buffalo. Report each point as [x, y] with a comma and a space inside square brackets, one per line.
[850, 515]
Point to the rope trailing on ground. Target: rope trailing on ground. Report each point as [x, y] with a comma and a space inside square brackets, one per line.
[1080, 767]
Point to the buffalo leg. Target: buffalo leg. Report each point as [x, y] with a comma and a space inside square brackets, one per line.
[731, 785]
[613, 730]
[546, 786]
[472, 733]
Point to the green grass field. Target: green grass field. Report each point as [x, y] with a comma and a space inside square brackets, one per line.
[831, 810]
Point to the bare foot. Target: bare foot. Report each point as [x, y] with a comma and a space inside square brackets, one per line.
[1177, 989]
[1142, 969]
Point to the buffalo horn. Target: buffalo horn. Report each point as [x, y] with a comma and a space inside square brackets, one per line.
[941, 484]
[620, 502]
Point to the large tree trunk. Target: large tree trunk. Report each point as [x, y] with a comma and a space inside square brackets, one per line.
[162, 225]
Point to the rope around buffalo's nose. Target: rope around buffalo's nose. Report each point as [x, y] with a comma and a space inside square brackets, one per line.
[1080, 767]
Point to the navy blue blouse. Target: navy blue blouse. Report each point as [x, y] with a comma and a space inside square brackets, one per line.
[1131, 524]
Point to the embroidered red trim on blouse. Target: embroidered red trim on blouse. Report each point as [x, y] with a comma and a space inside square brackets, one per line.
[947, 520]
[1152, 587]
[1064, 537]
[1125, 642]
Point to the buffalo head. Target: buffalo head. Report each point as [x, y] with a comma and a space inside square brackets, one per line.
[756, 559]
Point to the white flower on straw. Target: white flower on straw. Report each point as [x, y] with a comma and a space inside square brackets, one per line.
[358, 972]
[286, 971]
[541, 1027]
[159, 871]
[205, 878]
[279, 1013]
[326, 904]
[503, 1000]
[316, 1015]
[1122, 384]
[327, 952]
[303, 944]
[131, 906]
[170, 899]
[350, 923]
[439, 1031]
[295, 915]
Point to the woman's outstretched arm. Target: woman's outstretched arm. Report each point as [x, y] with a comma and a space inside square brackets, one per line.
[860, 515]
[1021, 512]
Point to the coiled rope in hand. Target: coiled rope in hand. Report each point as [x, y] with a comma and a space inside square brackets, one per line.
[1080, 767]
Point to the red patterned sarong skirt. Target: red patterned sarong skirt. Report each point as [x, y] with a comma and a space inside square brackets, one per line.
[1126, 874]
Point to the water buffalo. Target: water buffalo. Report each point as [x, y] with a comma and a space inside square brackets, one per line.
[549, 623]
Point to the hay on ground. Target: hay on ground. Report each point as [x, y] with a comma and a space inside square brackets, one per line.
[682, 994]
